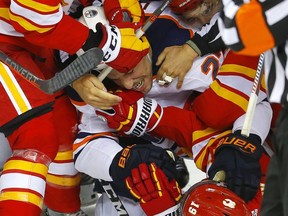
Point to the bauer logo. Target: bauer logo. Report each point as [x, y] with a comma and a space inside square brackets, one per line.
[239, 143]
[90, 13]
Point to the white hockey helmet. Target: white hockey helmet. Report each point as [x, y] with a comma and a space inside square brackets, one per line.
[91, 16]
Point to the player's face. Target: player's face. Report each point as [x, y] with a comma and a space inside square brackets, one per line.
[138, 79]
[201, 15]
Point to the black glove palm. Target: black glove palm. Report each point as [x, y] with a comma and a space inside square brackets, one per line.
[239, 157]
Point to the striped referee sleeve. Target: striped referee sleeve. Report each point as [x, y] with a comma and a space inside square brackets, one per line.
[253, 27]
[276, 69]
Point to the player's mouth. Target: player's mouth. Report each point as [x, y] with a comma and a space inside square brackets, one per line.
[138, 85]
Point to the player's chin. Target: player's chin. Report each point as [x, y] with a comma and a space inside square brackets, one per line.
[146, 88]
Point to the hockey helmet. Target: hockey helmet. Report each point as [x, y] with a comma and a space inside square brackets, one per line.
[91, 15]
[212, 198]
[181, 6]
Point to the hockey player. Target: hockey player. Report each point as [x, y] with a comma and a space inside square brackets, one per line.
[35, 123]
[90, 136]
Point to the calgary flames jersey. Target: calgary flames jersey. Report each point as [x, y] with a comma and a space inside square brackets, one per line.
[30, 23]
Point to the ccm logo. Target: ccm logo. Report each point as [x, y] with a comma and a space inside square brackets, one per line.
[113, 44]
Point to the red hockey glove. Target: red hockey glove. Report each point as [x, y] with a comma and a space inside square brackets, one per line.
[152, 188]
[122, 49]
[238, 157]
[117, 10]
[134, 114]
[130, 157]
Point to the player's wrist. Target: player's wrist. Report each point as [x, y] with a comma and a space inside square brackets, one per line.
[193, 47]
[199, 45]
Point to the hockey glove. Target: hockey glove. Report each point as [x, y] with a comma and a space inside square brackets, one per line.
[122, 49]
[238, 157]
[134, 114]
[130, 158]
[117, 10]
[151, 187]
[182, 172]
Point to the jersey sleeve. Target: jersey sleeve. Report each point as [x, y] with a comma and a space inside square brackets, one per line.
[227, 97]
[208, 39]
[45, 24]
[182, 126]
[254, 26]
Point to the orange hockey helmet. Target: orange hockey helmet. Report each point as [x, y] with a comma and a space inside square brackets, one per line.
[214, 199]
[181, 6]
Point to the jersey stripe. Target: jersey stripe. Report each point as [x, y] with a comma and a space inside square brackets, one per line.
[13, 90]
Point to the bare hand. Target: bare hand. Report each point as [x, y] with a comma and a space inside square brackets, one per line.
[94, 93]
[176, 61]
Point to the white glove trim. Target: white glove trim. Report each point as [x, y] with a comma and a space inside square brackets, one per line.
[112, 46]
[145, 109]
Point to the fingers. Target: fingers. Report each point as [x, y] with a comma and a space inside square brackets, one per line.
[162, 68]
[174, 62]
[94, 93]
[140, 184]
[167, 62]
[102, 99]
[180, 80]
[220, 176]
[172, 187]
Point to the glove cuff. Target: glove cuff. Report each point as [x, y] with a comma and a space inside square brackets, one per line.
[146, 108]
[162, 203]
[174, 210]
[155, 118]
[106, 37]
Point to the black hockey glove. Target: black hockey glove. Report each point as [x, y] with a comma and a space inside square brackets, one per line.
[182, 175]
[239, 157]
[130, 158]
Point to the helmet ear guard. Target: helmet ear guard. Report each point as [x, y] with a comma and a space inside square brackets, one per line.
[92, 15]
[212, 198]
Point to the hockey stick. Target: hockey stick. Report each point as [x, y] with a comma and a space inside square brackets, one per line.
[117, 203]
[253, 98]
[140, 32]
[73, 71]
